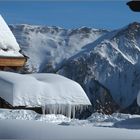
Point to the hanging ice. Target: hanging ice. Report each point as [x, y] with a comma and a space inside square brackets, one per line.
[54, 93]
[138, 99]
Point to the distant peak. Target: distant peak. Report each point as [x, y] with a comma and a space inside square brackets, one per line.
[134, 25]
[132, 28]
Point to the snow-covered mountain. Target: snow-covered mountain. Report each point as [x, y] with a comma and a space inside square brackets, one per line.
[105, 63]
[47, 47]
[113, 61]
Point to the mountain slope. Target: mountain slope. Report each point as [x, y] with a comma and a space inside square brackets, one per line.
[47, 47]
[113, 61]
[106, 64]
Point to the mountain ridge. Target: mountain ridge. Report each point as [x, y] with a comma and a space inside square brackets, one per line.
[87, 55]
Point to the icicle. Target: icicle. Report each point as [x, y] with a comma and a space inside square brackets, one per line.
[68, 110]
[54, 108]
[43, 110]
[59, 108]
[73, 111]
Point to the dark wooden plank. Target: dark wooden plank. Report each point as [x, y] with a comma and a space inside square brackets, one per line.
[12, 61]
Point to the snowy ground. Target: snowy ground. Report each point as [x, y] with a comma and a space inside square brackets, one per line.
[30, 125]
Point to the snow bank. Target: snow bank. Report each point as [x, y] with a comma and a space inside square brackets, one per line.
[8, 43]
[29, 125]
[96, 119]
[40, 130]
[54, 93]
[21, 114]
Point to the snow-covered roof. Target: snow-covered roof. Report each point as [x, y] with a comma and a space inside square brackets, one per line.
[8, 44]
[40, 89]
[54, 93]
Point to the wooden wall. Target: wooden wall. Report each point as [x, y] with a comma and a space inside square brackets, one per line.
[12, 61]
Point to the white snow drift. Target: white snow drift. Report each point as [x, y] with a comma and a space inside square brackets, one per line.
[55, 93]
[8, 43]
[30, 125]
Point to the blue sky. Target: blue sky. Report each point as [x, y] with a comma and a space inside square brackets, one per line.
[70, 14]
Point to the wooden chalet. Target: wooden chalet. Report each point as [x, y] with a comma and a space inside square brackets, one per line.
[9, 59]
[13, 60]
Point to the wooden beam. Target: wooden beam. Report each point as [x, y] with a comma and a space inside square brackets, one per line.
[12, 61]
